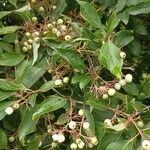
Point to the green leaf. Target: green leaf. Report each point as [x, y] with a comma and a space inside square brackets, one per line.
[3, 140]
[32, 99]
[72, 57]
[25, 8]
[121, 145]
[27, 125]
[119, 127]
[124, 16]
[4, 95]
[89, 13]
[132, 89]
[4, 13]
[47, 86]
[34, 145]
[112, 22]
[35, 52]
[61, 4]
[11, 59]
[90, 119]
[6, 47]
[52, 103]
[133, 2]
[120, 5]
[31, 75]
[13, 2]
[85, 80]
[110, 58]
[63, 118]
[8, 29]
[145, 86]
[141, 8]
[123, 38]
[5, 104]
[13, 85]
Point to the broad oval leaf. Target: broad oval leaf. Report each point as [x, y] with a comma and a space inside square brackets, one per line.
[27, 125]
[47, 86]
[119, 127]
[50, 104]
[121, 145]
[89, 13]
[3, 140]
[72, 57]
[110, 58]
[5, 94]
[8, 29]
[11, 59]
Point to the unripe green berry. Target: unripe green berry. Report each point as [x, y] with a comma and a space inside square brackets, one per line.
[41, 9]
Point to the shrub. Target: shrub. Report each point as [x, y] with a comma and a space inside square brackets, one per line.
[74, 74]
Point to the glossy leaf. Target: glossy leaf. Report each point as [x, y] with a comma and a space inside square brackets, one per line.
[89, 13]
[11, 59]
[8, 29]
[47, 86]
[72, 57]
[3, 140]
[27, 125]
[110, 58]
[120, 145]
[50, 104]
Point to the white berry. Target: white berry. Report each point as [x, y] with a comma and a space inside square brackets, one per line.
[34, 19]
[78, 140]
[123, 55]
[73, 146]
[41, 9]
[62, 28]
[128, 78]
[50, 26]
[9, 110]
[146, 145]
[36, 33]
[108, 123]
[54, 7]
[67, 38]
[65, 80]
[72, 125]
[54, 31]
[81, 145]
[58, 82]
[37, 39]
[90, 145]
[28, 34]
[111, 92]
[25, 43]
[61, 138]
[60, 21]
[105, 96]
[94, 141]
[16, 105]
[117, 86]
[55, 137]
[122, 82]
[11, 139]
[86, 125]
[58, 34]
[81, 112]
[24, 49]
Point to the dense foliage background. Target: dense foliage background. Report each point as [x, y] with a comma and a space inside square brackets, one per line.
[66, 70]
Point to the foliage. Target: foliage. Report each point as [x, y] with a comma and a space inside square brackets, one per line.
[66, 72]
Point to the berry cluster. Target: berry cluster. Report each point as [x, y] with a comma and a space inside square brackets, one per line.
[60, 82]
[61, 29]
[30, 38]
[117, 86]
[79, 129]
